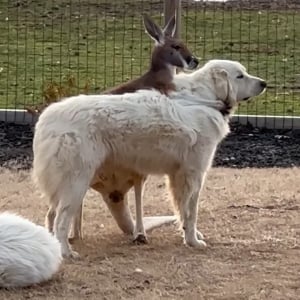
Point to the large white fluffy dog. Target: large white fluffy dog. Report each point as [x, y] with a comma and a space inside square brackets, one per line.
[29, 254]
[143, 132]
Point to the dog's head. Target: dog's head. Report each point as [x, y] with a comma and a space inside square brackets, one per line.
[232, 83]
[223, 88]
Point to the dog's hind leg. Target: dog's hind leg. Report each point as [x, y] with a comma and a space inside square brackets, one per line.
[76, 230]
[185, 188]
[50, 216]
[71, 198]
[51, 213]
[139, 235]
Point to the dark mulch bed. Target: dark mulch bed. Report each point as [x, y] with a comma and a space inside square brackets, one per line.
[244, 147]
[252, 147]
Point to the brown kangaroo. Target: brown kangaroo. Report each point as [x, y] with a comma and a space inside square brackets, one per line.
[168, 52]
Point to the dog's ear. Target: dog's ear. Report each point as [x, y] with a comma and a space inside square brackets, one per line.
[223, 87]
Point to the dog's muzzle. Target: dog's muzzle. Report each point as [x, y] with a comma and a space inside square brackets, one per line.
[192, 62]
[262, 86]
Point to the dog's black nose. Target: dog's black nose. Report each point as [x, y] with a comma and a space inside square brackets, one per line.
[263, 84]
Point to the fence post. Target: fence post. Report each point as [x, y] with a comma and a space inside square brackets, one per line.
[172, 7]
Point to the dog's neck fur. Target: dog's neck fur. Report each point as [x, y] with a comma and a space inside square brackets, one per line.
[205, 88]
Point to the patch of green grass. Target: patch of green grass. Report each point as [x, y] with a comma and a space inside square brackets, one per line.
[266, 42]
[48, 41]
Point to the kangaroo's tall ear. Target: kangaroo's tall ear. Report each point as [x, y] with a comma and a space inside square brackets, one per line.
[170, 28]
[223, 87]
[153, 30]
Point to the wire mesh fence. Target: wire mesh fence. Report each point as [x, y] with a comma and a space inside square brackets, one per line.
[77, 46]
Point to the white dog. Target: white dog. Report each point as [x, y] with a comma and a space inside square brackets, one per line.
[113, 181]
[29, 254]
[143, 132]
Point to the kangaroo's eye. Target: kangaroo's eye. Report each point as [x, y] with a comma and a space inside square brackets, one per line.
[176, 47]
[240, 76]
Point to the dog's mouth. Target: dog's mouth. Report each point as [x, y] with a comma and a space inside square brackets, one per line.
[249, 98]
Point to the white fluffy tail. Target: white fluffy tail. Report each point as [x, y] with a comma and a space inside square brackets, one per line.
[45, 172]
[29, 254]
[60, 156]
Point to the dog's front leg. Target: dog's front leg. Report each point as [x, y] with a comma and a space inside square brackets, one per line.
[192, 236]
[185, 187]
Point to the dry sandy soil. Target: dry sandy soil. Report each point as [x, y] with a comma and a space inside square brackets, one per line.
[250, 219]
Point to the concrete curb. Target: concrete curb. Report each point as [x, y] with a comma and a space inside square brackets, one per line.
[270, 122]
[17, 116]
[20, 116]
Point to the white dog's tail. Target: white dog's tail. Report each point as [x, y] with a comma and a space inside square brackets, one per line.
[45, 171]
[57, 158]
[29, 254]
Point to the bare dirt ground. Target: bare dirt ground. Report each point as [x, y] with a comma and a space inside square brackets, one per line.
[249, 217]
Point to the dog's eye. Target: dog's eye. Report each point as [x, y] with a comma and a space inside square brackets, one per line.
[240, 76]
[176, 47]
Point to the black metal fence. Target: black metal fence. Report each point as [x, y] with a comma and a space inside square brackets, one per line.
[54, 47]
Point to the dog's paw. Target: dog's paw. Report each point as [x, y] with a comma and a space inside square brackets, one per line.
[70, 254]
[140, 239]
[199, 235]
[74, 238]
[75, 235]
[195, 243]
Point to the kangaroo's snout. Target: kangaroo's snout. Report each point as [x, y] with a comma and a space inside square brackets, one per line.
[192, 62]
[263, 84]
